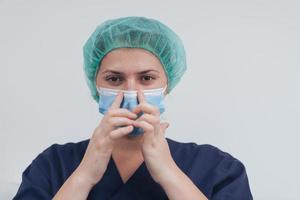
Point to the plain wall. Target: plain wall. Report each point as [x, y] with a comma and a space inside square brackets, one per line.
[240, 92]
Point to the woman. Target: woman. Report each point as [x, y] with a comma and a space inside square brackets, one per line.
[130, 64]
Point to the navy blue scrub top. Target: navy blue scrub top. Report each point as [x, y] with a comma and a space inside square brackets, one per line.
[216, 173]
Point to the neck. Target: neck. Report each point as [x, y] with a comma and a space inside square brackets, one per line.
[126, 144]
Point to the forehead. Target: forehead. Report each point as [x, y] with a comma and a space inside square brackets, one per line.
[130, 59]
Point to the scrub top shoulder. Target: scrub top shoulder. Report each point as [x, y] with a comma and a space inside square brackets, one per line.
[216, 173]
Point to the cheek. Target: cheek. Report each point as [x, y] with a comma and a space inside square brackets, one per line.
[164, 77]
[100, 81]
[164, 80]
[161, 82]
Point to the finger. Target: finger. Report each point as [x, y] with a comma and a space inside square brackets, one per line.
[119, 121]
[164, 126]
[115, 134]
[146, 108]
[144, 125]
[122, 112]
[141, 96]
[118, 100]
[151, 119]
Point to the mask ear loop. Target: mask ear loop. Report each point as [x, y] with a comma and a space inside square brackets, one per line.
[165, 88]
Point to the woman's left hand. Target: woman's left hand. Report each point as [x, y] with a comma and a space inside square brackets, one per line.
[155, 148]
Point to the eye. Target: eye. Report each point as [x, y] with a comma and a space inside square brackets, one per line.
[147, 78]
[114, 79]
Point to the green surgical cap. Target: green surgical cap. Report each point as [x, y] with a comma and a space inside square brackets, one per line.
[134, 32]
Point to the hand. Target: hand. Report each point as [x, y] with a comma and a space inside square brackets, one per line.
[155, 147]
[100, 147]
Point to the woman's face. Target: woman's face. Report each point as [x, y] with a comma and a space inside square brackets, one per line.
[131, 69]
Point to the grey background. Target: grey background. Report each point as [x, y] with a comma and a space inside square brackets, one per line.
[240, 93]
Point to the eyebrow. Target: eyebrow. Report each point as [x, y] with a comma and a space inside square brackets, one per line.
[141, 72]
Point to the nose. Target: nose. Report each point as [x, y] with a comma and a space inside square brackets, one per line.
[131, 84]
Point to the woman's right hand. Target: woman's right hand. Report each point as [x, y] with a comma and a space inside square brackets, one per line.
[100, 147]
[98, 152]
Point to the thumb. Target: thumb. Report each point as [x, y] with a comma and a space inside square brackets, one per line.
[164, 126]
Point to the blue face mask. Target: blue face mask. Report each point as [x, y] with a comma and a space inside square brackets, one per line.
[130, 101]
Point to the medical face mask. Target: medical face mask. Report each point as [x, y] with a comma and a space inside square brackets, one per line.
[130, 101]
